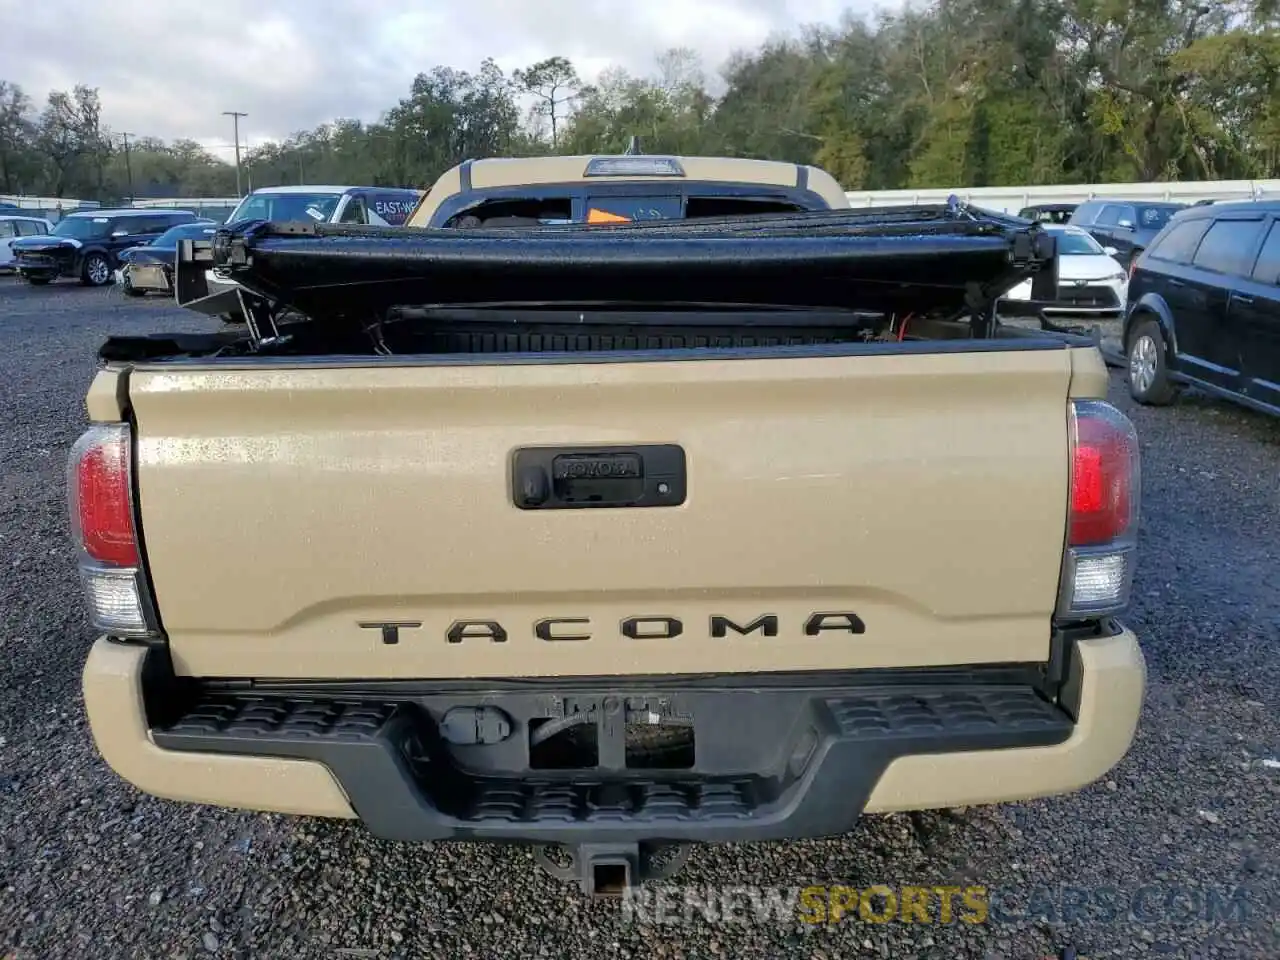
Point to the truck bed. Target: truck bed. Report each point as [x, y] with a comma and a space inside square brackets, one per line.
[814, 453]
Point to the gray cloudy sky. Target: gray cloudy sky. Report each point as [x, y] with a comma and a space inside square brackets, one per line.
[169, 69]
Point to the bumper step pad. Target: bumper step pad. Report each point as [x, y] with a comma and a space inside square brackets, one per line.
[832, 747]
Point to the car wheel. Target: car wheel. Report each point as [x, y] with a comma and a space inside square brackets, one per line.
[96, 271]
[1149, 365]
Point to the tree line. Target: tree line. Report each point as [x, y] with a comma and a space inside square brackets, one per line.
[955, 93]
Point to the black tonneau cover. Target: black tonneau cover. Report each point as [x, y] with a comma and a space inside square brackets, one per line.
[926, 259]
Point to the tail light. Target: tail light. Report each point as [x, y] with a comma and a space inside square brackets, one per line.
[1102, 523]
[100, 499]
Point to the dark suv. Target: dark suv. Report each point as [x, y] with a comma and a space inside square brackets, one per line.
[1204, 306]
[85, 244]
[1129, 226]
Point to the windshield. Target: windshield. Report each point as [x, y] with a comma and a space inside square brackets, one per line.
[83, 228]
[287, 206]
[187, 231]
[1077, 244]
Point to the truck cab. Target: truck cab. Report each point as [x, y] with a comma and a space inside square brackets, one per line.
[602, 189]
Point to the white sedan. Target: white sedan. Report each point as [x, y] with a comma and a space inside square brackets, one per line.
[1090, 279]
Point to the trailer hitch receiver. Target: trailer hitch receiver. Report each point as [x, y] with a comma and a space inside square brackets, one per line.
[611, 869]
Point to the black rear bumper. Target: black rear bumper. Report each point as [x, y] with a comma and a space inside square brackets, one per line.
[796, 759]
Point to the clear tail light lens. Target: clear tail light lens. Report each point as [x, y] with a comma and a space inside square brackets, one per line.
[100, 500]
[1102, 526]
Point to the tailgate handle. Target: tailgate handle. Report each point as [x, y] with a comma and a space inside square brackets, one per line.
[567, 478]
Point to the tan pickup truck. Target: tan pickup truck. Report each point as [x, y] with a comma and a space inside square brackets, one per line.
[613, 539]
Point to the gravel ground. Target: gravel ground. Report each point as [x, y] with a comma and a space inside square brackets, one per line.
[90, 868]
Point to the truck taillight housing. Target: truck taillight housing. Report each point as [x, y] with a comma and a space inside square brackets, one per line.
[1102, 519]
[100, 499]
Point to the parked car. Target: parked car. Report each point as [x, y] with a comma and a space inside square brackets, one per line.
[12, 227]
[376, 206]
[150, 266]
[1205, 307]
[1048, 212]
[1090, 278]
[381, 206]
[86, 245]
[1129, 226]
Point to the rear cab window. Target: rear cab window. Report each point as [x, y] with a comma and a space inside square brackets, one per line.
[615, 207]
[606, 208]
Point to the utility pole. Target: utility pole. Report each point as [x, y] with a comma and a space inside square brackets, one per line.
[128, 167]
[235, 116]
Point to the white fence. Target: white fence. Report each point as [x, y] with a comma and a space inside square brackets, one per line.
[1007, 199]
[66, 204]
[189, 203]
[1013, 199]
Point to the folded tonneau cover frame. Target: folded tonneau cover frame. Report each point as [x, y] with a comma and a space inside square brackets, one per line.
[948, 260]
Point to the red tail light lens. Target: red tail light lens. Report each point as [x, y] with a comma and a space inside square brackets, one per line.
[1103, 467]
[1102, 526]
[101, 496]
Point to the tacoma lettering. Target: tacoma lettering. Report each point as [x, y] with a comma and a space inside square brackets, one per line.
[476, 630]
[768, 624]
[547, 629]
[849, 622]
[652, 627]
[391, 630]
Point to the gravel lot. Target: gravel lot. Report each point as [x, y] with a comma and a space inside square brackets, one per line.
[89, 868]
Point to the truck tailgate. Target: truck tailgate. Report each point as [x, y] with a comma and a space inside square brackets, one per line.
[914, 502]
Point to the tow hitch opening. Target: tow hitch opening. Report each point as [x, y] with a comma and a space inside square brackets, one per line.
[609, 870]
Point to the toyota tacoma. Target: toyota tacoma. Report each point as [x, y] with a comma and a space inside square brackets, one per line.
[611, 538]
